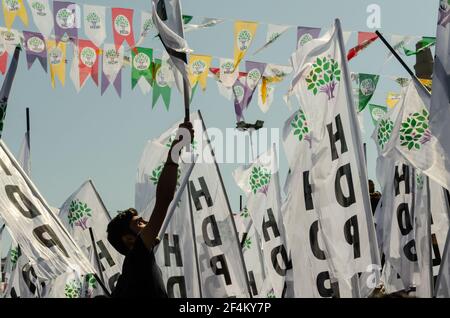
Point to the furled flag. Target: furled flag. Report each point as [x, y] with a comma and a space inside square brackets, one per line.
[41, 236]
[84, 209]
[122, 22]
[377, 112]
[199, 69]
[146, 26]
[88, 61]
[74, 72]
[11, 38]
[35, 48]
[57, 61]
[392, 99]
[206, 23]
[95, 23]
[398, 43]
[42, 16]
[167, 19]
[161, 84]
[402, 81]
[141, 66]
[321, 82]
[239, 91]
[244, 32]
[364, 40]
[265, 96]
[306, 34]
[367, 86]
[260, 183]
[24, 157]
[227, 73]
[6, 87]
[424, 43]
[67, 20]
[274, 31]
[112, 67]
[440, 99]
[13, 8]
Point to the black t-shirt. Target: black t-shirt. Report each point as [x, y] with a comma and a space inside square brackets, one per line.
[141, 276]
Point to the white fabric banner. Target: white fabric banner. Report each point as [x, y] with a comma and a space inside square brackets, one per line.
[41, 236]
[85, 209]
[94, 23]
[227, 73]
[10, 38]
[42, 16]
[112, 61]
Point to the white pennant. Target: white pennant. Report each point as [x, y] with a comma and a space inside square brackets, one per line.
[94, 23]
[112, 61]
[42, 16]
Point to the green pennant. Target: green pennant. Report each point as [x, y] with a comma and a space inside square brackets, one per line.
[187, 18]
[426, 42]
[141, 60]
[377, 112]
[160, 84]
[367, 86]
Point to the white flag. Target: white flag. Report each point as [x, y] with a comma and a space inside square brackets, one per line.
[83, 210]
[41, 236]
[228, 74]
[42, 16]
[206, 23]
[338, 175]
[112, 61]
[274, 31]
[94, 23]
[10, 38]
[265, 105]
[147, 27]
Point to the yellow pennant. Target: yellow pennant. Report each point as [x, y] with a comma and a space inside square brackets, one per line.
[392, 99]
[13, 8]
[199, 69]
[244, 32]
[57, 61]
[264, 90]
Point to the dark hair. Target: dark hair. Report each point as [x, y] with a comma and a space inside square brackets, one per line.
[119, 226]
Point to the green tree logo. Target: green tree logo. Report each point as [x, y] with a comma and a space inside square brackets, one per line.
[35, 44]
[198, 67]
[91, 285]
[367, 87]
[253, 77]
[65, 18]
[79, 214]
[444, 13]
[14, 255]
[88, 56]
[245, 214]
[238, 91]
[8, 36]
[274, 36]
[141, 62]
[377, 113]
[112, 56]
[414, 131]
[72, 289]
[385, 127]
[122, 25]
[323, 77]
[247, 244]
[39, 8]
[227, 67]
[419, 180]
[12, 5]
[147, 27]
[55, 55]
[260, 179]
[94, 20]
[300, 126]
[271, 294]
[305, 38]
[162, 76]
[156, 173]
[243, 39]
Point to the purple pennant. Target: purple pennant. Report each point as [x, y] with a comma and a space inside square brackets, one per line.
[312, 32]
[239, 91]
[35, 48]
[66, 17]
[255, 71]
[117, 83]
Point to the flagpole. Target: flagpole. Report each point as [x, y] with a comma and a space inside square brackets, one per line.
[100, 279]
[228, 205]
[28, 128]
[195, 241]
[405, 66]
[430, 243]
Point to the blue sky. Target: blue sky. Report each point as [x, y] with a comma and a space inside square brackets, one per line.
[79, 136]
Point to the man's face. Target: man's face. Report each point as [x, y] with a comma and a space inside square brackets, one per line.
[137, 224]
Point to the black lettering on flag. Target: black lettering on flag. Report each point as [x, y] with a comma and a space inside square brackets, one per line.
[270, 223]
[404, 219]
[351, 233]
[410, 251]
[215, 240]
[339, 135]
[307, 191]
[47, 237]
[180, 282]
[104, 254]
[344, 201]
[31, 211]
[287, 264]
[404, 177]
[222, 269]
[314, 241]
[252, 282]
[202, 192]
[175, 249]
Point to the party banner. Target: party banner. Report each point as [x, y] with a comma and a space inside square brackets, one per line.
[239, 91]
[141, 65]
[112, 67]
[66, 20]
[147, 26]
[199, 69]
[161, 83]
[95, 23]
[35, 48]
[367, 86]
[88, 61]
[57, 60]
[244, 32]
[10, 38]
[42, 16]
[13, 8]
[274, 31]
[364, 40]
[122, 21]
[254, 70]
[424, 43]
[227, 73]
[3, 59]
[306, 34]
[206, 23]
[265, 96]
[392, 99]
[377, 112]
